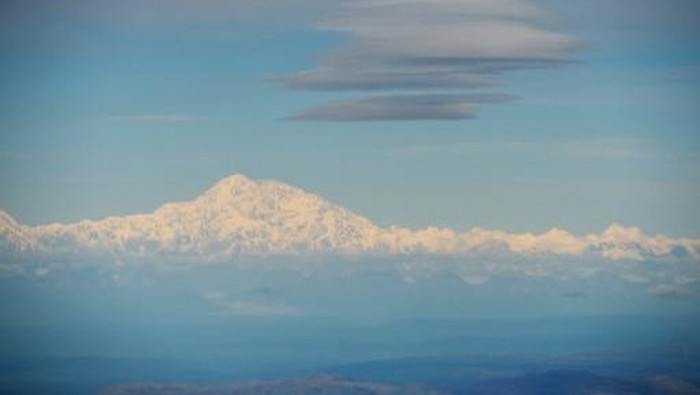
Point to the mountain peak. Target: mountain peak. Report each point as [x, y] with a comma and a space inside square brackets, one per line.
[236, 215]
[240, 193]
[239, 185]
[235, 181]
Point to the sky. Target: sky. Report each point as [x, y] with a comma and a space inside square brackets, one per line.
[515, 116]
[567, 114]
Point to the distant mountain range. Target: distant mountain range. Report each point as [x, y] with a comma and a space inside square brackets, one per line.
[240, 216]
[326, 385]
[547, 383]
[582, 383]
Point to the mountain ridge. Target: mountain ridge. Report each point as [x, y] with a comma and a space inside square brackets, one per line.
[242, 216]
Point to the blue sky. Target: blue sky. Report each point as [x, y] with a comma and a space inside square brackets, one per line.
[111, 110]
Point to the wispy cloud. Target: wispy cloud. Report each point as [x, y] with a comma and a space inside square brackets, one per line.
[562, 149]
[157, 118]
[670, 291]
[423, 45]
[228, 305]
[401, 107]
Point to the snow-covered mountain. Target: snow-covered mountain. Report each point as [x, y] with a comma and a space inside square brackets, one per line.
[240, 216]
[235, 216]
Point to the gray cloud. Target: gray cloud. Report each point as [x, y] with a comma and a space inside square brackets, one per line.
[425, 45]
[415, 77]
[401, 107]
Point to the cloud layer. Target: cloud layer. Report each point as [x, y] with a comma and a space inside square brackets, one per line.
[427, 45]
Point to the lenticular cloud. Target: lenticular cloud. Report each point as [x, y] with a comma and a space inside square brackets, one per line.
[427, 45]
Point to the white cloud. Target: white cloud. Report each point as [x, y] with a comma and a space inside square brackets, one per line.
[225, 304]
[474, 279]
[634, 278]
